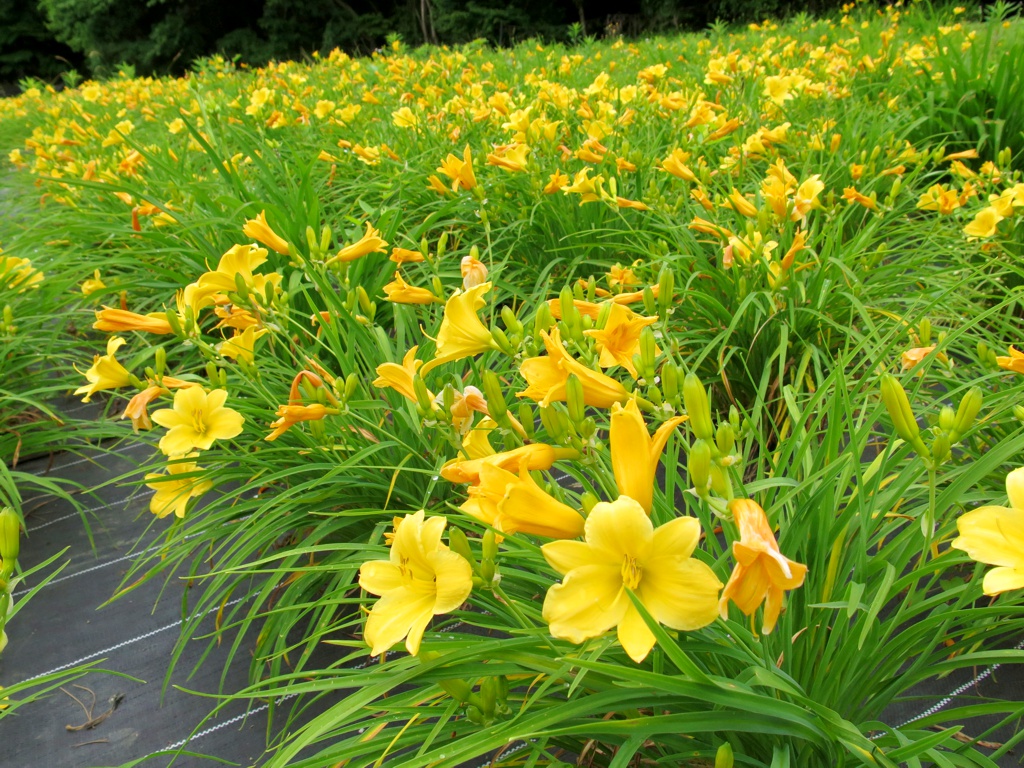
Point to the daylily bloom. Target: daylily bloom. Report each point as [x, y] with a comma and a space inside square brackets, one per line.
[533, 455]
[547, 377]
[762, 572]
[400, 377]
[116, 320]
[106, 372]
[995, 536]
[196, 420]
[474, 272]
[370, 242]
[242, 345]
[136, 410]
[400, 292]
[512, 158]
[259, 230]
[619, 340]
[623, 551]
[635, 455]
[851, 195]
[675, 164]
[556, 182]
[92, 284]
[422, 579]
[985, 223]
[1015, 361]
[514, 503]
[405, 256]
[459, 171]
[462, 333]
[806, 197]
[404, 117]
[912, 357]
[588, 188]
[174, 492]
[290, 415]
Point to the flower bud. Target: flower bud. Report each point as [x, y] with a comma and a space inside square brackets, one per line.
[650, 305]
[161, 362]
[496, 405]
[924, 331]
[351, 384]
[549, 417]
[10, 531]
[670, 380]
[488, 697]
[966, 413]
[314, 249]
[725, 438]
[698, 464]
[940, 448]
[526, 418]
[666, 287]
[325, 239]
[172, 320]
[896, 402]
[459, 544]
[723, 758]
[588, 501]
[695, 400]
[512, 324]
[442, 244]
[946, 417]
[364, 300]
[423, 400]
[648, 352]
[543, 320]
[574, 398]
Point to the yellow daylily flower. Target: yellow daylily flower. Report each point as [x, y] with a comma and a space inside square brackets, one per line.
[462, 333]
[512, 158]
[400, 292]
[370, 242]
[18, 273]
[196, 420]
[404, 117]
[459, 171]
[985, 223]
[106, 372]
[422, 579]
[547, 376]
[675, 164]
[514, 503]
[92, 284]
[995, 536]
[1014, 362]
[619, 340]
[259, 230]
[400, 377]
[290, 415]
[173, 492]
[242, 345]
[623, 551]
[635, 455]
[762, 573]
[534, 456]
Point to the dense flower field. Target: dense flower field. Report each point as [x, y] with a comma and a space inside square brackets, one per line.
[639, 402]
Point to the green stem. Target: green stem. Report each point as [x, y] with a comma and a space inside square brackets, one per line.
[523, 621]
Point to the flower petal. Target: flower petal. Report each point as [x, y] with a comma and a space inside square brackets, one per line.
[565, 556]
[620, 528]
[634, 634]
[992, 535]
[680, 593]
[1003, 579]
[676, 538]
[394, 615]
[379, 577]
[588, 602]
[1015, 488]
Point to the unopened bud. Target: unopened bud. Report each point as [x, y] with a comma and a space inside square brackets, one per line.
[488, 696]
[724, 758]
[670, 380]
[896, 402]
[650, 305]
[442, 244]
[512, 324]
[725, 438]
[967, 412]
[10, 533]
[496, 404]
[648, 352]
[698, 464]
[325, 239]
[666, 287]
[574, 398]
[423, 399]
[924, 331]
[940, 447]
[311, 241]
[351, 384]
[588, 501]
[946, 418]
[160, 362]
[695, 400]
[459, 544]
[502, 341]
[526, 418]
[364, 300]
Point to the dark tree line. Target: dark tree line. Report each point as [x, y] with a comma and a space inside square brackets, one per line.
[43, 38]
